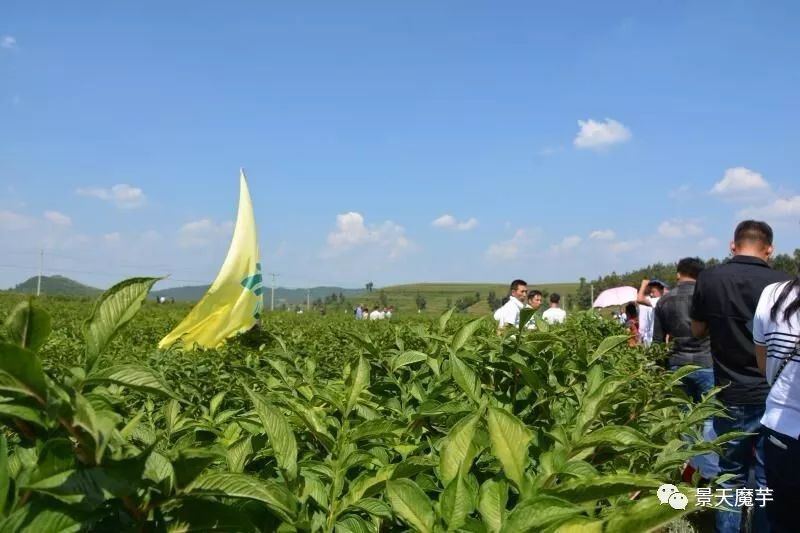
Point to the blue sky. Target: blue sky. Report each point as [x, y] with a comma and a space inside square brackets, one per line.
[560, 141]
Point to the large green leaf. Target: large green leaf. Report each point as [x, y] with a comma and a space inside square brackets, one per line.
[408, 358]
[457, 450]
[374, 507]
[136, 377]
[366, 484]
[510, 439]
[525, 316]
[608, 344]
[353, 524]
[279, 432]
[315, 488]
[647, 514]
[21, 371]
[411, 504]
[28, 326]
[492, 501]
[465, 377]
[456, 502]
[93, 486]
[113, 310]
[275, 496]
[372, 428]
[238, 453]
[43, 516]
[540, 512]
[614, 436]
[357, 382]
[23, 412]
[463, 335]
[444, 318]
[603, 487]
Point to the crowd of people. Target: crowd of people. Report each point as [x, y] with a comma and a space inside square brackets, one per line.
[520, 298]
[739, 323]
[377, 313]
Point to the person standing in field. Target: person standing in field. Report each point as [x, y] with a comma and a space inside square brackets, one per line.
[535, 298]
[632, 323]
[649, 293]
[723, 308]
[555, 315]
[359, 312]
[776, 334]
[673, 325]
[508, 314]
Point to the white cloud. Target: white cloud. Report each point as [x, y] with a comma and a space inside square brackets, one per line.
[352, 232]
[738, 181]
[602, 235]
[568, 243]
[450, 222]
[121, 195]
[8, 42]
[9, 220]
[520, 245]
[599, 135]
[778, 209]
[112, 238]
[60, 219]
[677, 229]
[203, 232]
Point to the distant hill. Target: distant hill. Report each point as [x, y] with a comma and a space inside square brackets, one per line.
[282, 295]
[57, 286]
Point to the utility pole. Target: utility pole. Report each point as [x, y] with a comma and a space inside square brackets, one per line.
[592, 289]
[308, 299]
[41, 266]
[272, 295]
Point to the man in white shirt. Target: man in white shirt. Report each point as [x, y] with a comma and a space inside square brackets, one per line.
[649, 293]
[554, 315]
[376, 314]
[509, 313]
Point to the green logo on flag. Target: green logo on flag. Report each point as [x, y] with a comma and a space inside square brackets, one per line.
[254, 283]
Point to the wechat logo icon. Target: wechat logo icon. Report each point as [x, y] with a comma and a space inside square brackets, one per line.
[671, 495]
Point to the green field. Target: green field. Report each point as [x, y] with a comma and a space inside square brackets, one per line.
[323, 423]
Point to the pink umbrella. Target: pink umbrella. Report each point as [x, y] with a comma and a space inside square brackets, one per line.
[615, 296]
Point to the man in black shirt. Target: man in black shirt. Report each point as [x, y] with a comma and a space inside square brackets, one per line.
[672, 324]
[723, 306]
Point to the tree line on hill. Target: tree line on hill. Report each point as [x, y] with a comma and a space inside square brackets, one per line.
[665, 272]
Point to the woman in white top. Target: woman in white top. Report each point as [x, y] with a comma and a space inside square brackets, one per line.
[776, 333]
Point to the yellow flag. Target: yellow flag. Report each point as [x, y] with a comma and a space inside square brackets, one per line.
[234, 302]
